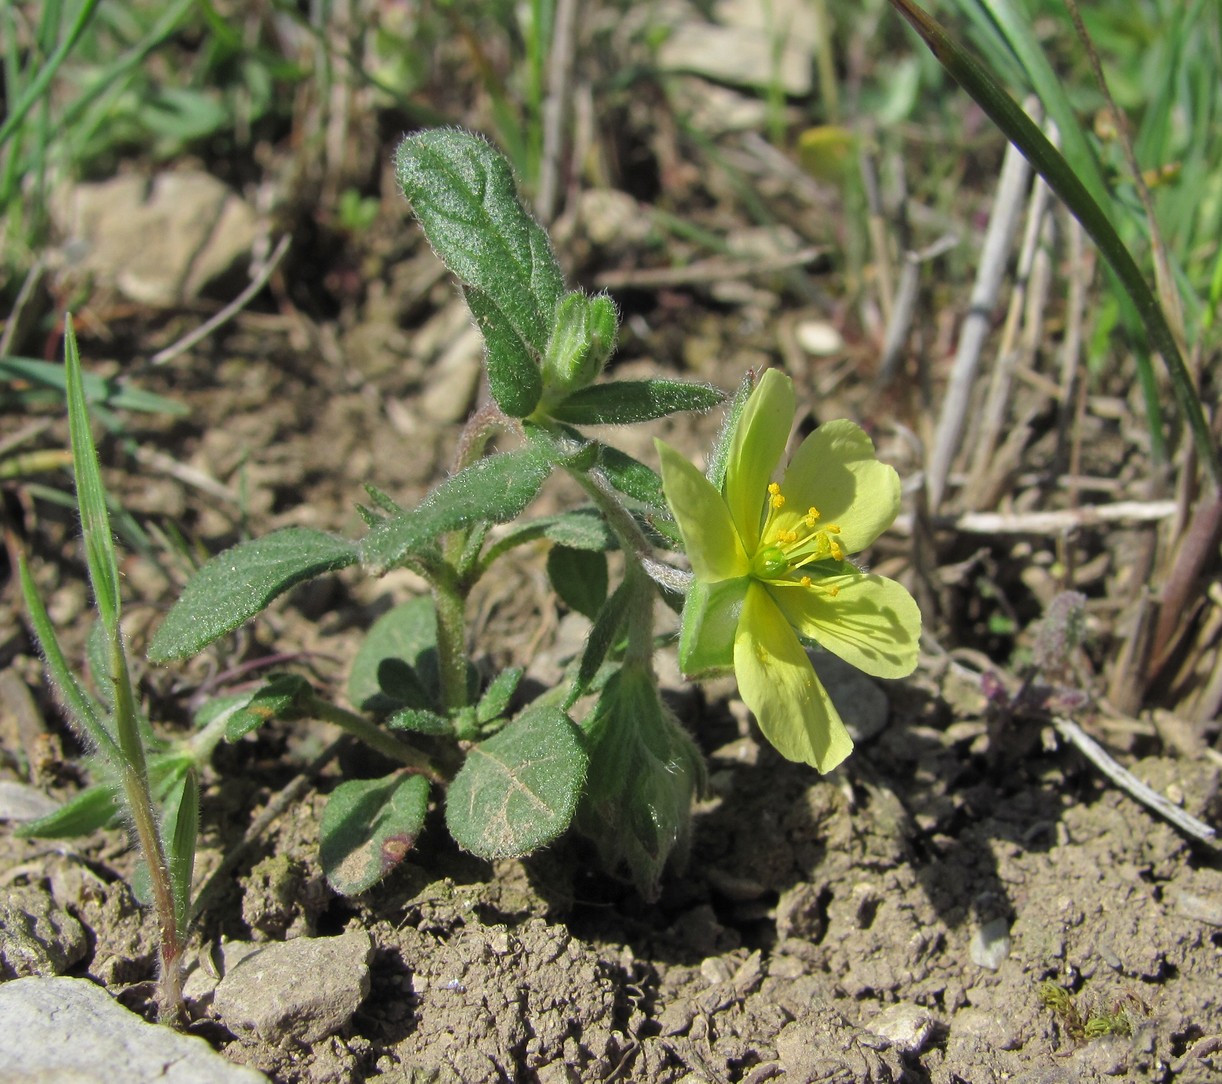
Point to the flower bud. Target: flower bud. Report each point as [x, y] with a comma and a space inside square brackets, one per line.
[583, 336]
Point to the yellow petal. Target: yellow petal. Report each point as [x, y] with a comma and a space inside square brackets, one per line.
[709, 537]
[835, 471]
[757, 447]
[871, 621]
[778, 684]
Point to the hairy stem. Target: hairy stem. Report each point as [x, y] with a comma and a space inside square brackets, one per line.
[375, 737]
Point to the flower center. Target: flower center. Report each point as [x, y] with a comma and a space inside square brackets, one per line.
[791, 541]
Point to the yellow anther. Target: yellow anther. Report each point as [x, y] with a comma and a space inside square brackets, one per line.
[812, 512]
[837, 552]
[811, 518]
[832, 528]
[805, 581]
[832, 590]
[789, 537]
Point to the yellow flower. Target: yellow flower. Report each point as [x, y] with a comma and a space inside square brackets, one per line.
[771, 565]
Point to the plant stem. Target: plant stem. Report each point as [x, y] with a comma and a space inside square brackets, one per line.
[144, 818]
[374, 736]
[450, 602]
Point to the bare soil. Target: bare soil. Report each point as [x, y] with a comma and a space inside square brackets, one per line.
[891, 922]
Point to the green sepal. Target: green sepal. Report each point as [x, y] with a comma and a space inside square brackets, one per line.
[237, 584]
[518, 790]
[709, 622]
[368, 827]
[583, 336]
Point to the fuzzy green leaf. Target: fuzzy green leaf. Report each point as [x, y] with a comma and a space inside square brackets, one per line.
[95, 807]
[462, 191]
[419, 721]
[396, 665]
[519, 789]
[495, 701]
[623, 402]
[277, 698]
[237, 584]
[514, 377]
[579, 577]
[368, 827]
[491, 490]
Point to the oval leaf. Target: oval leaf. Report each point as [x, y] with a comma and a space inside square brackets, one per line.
[368, 827]
[579, 577]
[237, 584]
[519, 789]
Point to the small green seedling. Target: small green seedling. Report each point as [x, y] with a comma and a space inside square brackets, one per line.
[1082, 1021]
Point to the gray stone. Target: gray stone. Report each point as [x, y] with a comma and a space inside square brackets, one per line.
[72, 1032]
[21, 802]
[158, 242]
[862, 704]
[990, 944]
[305, 989]
[906, 1027]
[37, 937]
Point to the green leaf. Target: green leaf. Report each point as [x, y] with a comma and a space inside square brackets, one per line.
[419, 721]
[179, 833]
[462, 191]
[579, 577]
[645, 772]
[279, 697]
[513, 373]
[108, 392]
[631, 477]
[90, 493]
[95, 807]
[84, 712]
[580, 529]
[495, 701]
[237, 584]
[396, 665]
[491, 490]
[368, 827]
[519, 789]
[602, 638]
[623, 402]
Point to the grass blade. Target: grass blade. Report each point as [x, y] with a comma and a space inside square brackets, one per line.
[1060, 177]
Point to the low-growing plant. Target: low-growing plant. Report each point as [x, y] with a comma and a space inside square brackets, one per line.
[771, 572]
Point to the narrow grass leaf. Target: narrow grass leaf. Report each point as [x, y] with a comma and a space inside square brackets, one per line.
[83, 712]
[180, 832]
[90, 494]
[1051, 165]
